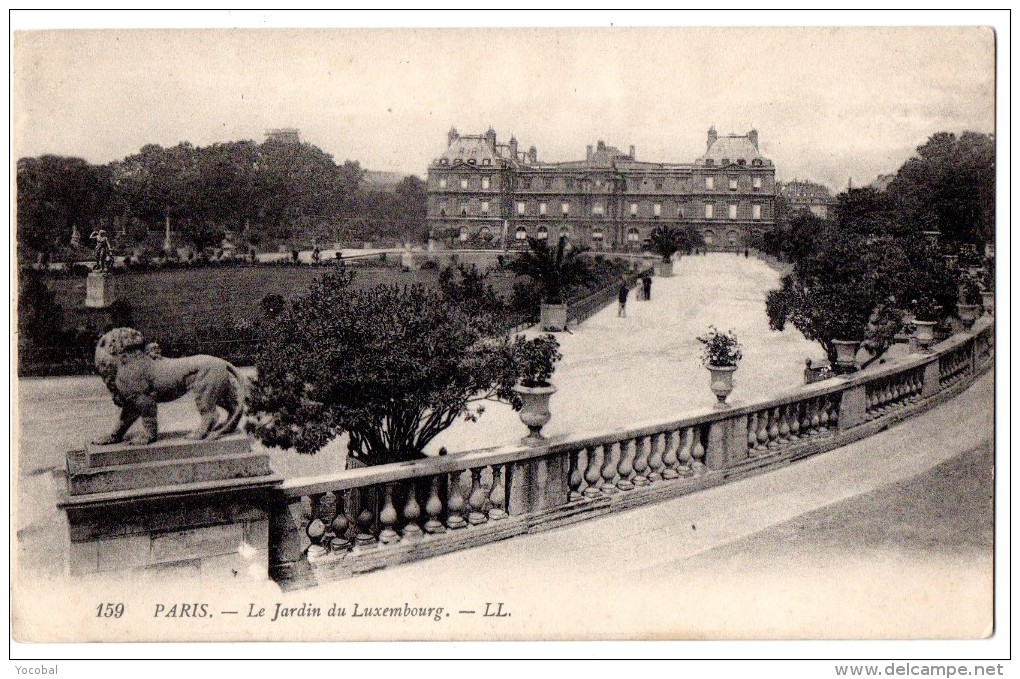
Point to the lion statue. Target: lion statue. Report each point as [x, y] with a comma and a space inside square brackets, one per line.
[139, 378]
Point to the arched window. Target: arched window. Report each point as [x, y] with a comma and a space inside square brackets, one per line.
[463, 233]
[542, 233]
[732, 238]
[756, 162]
[484, 234]
[633, 236]
[564, 231]
[521, 233]
[709, 238]
[596, 234]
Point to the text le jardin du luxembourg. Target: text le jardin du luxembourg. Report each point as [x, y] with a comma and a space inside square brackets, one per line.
[279, 612]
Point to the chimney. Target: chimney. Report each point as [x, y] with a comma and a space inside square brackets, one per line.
[712, 136]
[490, 138]
[591, 149]
[753, 136]
[513, 147]
[632, 152]
[533, 155]
[452, 136]
[602, 145]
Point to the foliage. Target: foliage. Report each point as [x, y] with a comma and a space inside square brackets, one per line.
[949, 186]
[552, 269]
[391, 367]
[970, 290]
[470, 290]
[535, 360]
[666, 241]
[720, 348]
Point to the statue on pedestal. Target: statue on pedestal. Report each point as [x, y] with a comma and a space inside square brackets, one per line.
[104, 252]
[140, 378]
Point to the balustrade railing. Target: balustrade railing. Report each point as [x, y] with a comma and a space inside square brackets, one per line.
[367, 518]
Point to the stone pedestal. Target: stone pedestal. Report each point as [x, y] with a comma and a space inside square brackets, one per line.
[727, 442]
[100, 290]
[173, 508]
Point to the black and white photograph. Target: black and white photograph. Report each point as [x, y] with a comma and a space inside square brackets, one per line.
[507, 333]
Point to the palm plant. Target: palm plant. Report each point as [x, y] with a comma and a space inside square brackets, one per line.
[552, 269]
[666, 241]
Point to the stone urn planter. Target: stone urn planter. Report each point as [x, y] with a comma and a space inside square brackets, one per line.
[924, 332]
[535, 412]
[846, 354]
[553, 317]
[722, 382]
[988, 301]
[968, 313]
[663, 269]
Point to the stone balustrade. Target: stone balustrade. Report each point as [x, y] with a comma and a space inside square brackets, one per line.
[359, 520]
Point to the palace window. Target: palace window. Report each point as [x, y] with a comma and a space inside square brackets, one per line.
[633, 236]
[709, 182]
[541, 208]
[756, 162]
[486, 161]
[633, 209]
[725, 161]
[522, 208]
[732, 212]
[658, 186]
[442, 182]
[709, 211]
[525, 183]
[463, 233]
[521, 233]
[485, 183]
[733, 183]
[657, 209]
[566, 208]
[444, 161]
[741, 161]
[543, 233]
[564, 231]
[756, 183]
[596, 234]
[464, 183]
[463, 210]
[709, 161]
[598, 209]
[484, 233]
[485, 207]
[756, 212]
[569, 183]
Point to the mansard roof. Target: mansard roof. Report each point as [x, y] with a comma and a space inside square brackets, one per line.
[732, 148]
[467, 148]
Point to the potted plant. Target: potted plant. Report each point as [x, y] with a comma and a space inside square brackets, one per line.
[720, 354]
[535, 362]
[665, 241]
[926, 313]
[970, 301]
[553, 270]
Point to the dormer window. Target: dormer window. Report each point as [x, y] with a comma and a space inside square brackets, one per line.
[710, 183]
[485, 183]
[444, 161]
[733, 183]
[658, 186]
[741, 161]
[471, 161]
[725, 161]
[464, 183]
[709, 161]
[486, 161]
[756, 162]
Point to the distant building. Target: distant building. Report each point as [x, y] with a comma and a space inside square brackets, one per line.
[805, 195]
[882, 182]
[481, 191]
[284, 135]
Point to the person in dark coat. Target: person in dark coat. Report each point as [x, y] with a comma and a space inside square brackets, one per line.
[646, 283]
[622, 296]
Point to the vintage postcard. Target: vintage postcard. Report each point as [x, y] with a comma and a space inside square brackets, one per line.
[568, 333]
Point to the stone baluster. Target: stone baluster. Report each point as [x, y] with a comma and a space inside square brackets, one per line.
[388, 519]
[609, 467]
[455, 504]
[497, 495]
[784, 425]
[806, 430]
[626, 466]
[698, 451]
[316, 531]
[794, 421]
[752, 431]
[341, 526]
[774, 430]
[593, 472]
[476, 499]
[575, 476]
[656, 459]
[686, 456]
[641, 455]
[763, 431]
[823, 416]
[434, 509]
[365, 539]
[872, 398]
[833, 409]
[669, 457]
[412, 513]
[326, 508]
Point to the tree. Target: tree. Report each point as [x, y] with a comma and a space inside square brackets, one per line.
[847, 289]
[666, 241]
[950, 187]
[553, 270]
[391, 367]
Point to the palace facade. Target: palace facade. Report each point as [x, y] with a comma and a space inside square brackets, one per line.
[483, 193]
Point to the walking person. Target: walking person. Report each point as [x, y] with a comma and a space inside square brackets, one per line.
[646, 283]
[622, 296]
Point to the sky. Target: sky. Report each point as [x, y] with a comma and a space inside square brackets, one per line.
[830, 104]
